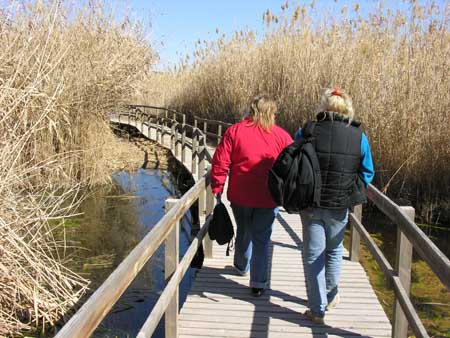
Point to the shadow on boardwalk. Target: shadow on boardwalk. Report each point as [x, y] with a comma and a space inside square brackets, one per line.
[275, 312]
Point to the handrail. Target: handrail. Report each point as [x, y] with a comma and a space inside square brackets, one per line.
[89, 316]
[387, 269]
[161, 305]
[427, 250]
[409, 236]
[133, 106]
[225, 124]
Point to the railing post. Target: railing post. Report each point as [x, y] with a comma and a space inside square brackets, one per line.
[172, 137]
[194, 151]
[166, 114]
[157, 126]
[171, 264]
[207, 243]
[201, 171]
[355, 237]
[177, 148]
[219, 133]
[183, 140]
[403, 270]
[177, 153]
[161, 131]
[148, 127]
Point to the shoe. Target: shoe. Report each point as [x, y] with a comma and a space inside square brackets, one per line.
[239, 271]
[335, 302]
[257, 292]
[313, 318]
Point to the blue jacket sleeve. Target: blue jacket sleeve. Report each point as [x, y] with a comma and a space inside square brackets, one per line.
[366, 170]
[298, 135]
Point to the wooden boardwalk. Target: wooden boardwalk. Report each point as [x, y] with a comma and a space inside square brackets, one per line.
[220, 304]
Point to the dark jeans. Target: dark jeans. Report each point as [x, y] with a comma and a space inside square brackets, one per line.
[254, 228]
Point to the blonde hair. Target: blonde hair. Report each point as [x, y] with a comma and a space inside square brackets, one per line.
[262, 111]
[334, 100]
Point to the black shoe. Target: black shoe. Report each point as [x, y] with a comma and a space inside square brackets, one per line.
[256, 292]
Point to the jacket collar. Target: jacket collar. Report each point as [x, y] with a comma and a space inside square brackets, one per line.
[332, 116]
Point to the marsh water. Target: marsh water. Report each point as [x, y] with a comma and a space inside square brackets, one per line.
[114, 219]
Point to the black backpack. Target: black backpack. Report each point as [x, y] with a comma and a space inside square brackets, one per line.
[220, 227]
[294, 180]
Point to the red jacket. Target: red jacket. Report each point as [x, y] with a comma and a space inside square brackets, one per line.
[247, 151]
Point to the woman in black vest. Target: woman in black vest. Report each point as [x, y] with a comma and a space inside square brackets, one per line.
[346, 170]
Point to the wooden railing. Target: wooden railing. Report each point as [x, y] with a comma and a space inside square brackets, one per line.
[165, 122]
[170, 122]
[409, 237]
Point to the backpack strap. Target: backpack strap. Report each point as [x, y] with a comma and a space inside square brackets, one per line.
[308, 129]
[311, 153]
[230, 245]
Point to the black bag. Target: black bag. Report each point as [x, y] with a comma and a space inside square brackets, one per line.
[197, 261]
[221, 228]
[294, 180]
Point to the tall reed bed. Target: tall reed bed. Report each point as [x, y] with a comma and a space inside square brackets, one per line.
[63, 65]
[395, 65]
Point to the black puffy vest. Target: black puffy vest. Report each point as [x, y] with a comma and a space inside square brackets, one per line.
[338, 147]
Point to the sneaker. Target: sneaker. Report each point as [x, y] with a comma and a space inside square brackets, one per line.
[257, 292]
[239, 271]
[314, 318]
[331, 305]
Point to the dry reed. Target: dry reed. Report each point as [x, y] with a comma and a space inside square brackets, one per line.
[394, 64]
[62, 67]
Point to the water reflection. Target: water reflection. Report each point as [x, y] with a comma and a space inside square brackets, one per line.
[115, 219]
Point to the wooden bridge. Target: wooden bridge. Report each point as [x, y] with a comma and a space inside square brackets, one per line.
[220, 303]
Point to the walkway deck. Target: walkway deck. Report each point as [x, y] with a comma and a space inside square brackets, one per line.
[220, 303]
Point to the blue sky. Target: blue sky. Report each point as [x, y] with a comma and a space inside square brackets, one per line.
[177, 24]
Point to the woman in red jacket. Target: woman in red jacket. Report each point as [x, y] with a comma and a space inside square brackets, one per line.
[246, 152]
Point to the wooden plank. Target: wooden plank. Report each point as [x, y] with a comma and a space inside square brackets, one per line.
[198, 332]
[295, 320]
[275, 335]
[207, 242]
[354, 234]
[354, 303]
[403, 268]
[171, 257]
[304, 327]
[161, 305]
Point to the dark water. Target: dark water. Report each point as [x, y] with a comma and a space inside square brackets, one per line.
[115, 218]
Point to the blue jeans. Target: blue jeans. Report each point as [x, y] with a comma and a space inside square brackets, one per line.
[251, 252]
[323, 236]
